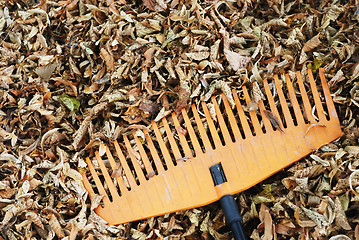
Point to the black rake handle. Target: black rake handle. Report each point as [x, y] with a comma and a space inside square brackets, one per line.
[228, 204]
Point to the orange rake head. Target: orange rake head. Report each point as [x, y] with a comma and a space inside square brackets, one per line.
[167, 170]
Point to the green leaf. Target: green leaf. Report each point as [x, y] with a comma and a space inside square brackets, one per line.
[315, 64]
[265, 195]
[71, 103]
[344, 200]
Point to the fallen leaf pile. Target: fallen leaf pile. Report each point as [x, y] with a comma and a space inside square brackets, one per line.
[77, 74]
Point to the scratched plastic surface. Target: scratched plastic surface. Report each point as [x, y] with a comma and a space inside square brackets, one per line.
[169, 171]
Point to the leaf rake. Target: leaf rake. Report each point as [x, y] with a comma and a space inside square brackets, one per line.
[212, 158]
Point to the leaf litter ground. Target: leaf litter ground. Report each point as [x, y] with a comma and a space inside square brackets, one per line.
[75, 75]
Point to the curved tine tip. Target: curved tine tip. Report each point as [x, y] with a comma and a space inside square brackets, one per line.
[166, 125]
[205, 107]
[287, 77]
[193, 106]
[134, 133]
[183, 110]
[289, 81]
[153, 123]
[266, 87]
[225, 99]
[234, 92]
[213, 98]
[146, 132]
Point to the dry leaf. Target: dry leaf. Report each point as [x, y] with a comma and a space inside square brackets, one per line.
[46, 71]
[340, 218]
[149, 55]
[340, 237]
[266, 218]
[73, 66]
[56, 227]
[236, 60]
[33, 217]
[155, 5]
[163, 113]
[319, 219]
[198, 56]
[8, 193]
[5, 76]
[273, 119]
[257, 93]
[285, 228]
[108, 58]
[312, 43]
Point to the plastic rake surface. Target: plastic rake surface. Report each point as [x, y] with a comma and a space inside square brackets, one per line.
[168, 170]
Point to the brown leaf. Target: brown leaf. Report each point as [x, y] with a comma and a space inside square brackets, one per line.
[273, 119]
[266, 218]
[183, 97]
[33, 217]
[112, 5]
[30, 148]
[340, 218]
[148, 56]
[319, 219]
[133, 115]
[149, 107]
[181, 130]
[132, 119]
[163, 113]
[236, 60]
[74, 231]
[60, 80]
[183, 90]
[289, 183]
[46, 71]
[155, 5]
[198, 56]
[74, 67]
[50, 137]
[90, 89]
[312, 43]
[8, 193]
[5, 76]
[108, 58]
[56, 227]
[285, 228]
[257, 93]
[80, 133]
[138, 126]
[355, 70]
[34, 183]
[302, 223]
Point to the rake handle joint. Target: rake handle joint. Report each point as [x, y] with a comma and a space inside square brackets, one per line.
[228, 204]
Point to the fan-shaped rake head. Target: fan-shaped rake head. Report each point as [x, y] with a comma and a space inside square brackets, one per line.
[167, 169]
